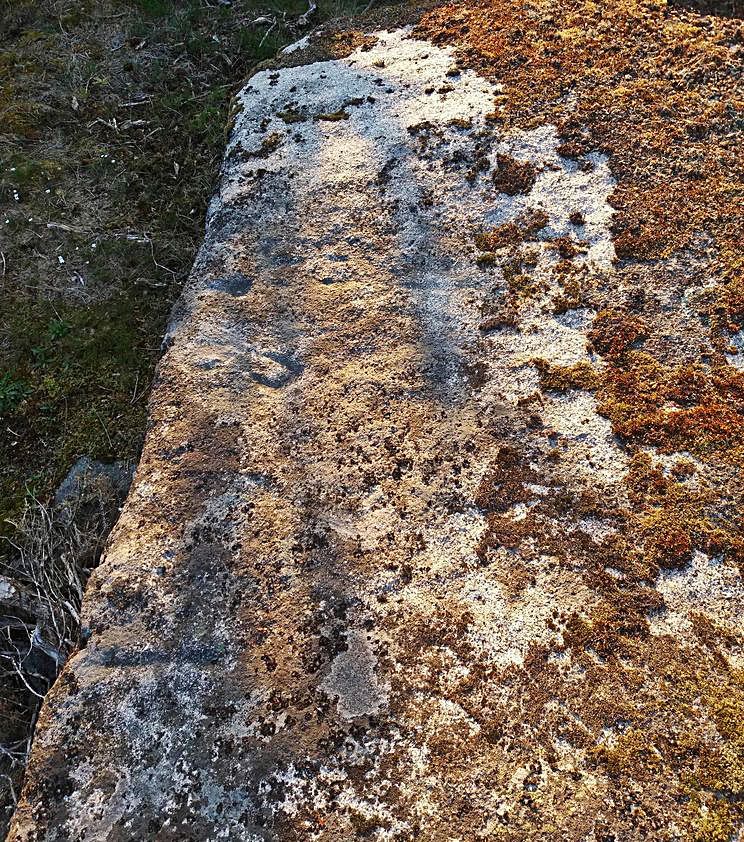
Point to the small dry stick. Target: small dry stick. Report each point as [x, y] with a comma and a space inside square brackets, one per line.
[111, 445]
[266, 34]
[304, 20]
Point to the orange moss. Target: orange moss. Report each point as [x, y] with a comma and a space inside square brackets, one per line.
[570, 298]
[655, 90]
[565, 247]
[512, 233]
[669, 548]
[513, 177]
[614, 331]
[683, 408]
[673, 517]
[504, 235]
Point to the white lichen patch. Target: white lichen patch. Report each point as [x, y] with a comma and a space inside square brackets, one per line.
[505, 625]
[349, 124]
[707, 586]
[563, 188]
[308, 791]
[302, 44]
[450, 545]
[392, 77]
[590, 445]
[735, 356]
[597, 528]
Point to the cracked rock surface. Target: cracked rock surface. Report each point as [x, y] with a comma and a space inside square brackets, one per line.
[389, 568]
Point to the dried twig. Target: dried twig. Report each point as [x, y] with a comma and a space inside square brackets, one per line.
[105, 430]
[304, 20]
[12, 788]
[133, 237]
[266, 34]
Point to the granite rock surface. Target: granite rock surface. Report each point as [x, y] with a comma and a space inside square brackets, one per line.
[435, 532]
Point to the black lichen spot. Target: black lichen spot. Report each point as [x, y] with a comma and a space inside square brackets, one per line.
[234, 284]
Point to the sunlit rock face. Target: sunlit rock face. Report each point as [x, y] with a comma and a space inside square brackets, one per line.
[380, 575]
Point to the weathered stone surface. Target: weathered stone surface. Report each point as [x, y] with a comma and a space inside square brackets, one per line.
[406, 555]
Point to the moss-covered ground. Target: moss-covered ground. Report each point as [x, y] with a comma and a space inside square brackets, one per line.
[112, 126]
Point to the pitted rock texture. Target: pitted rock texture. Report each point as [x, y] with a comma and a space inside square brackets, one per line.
[395, 566]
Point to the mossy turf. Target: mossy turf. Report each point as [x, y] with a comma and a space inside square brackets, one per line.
[112, 127]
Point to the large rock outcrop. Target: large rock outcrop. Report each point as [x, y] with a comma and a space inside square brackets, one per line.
[435, 532]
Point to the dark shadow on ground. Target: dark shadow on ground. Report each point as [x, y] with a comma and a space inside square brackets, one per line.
[719, 8]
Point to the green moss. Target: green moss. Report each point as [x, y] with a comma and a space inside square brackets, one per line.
[561, 378]
[716, 789]
[487, 258]
[75, 386]
[18, 115]
[23, 171]
[12, 392]
[333, 117]
[632, 754]
[290, 116]
[155, 8]
[716, 823]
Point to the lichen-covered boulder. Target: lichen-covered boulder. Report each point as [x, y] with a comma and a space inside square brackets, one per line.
[436, 530]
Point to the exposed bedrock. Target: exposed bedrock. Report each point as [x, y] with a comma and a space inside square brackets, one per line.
[391, 566]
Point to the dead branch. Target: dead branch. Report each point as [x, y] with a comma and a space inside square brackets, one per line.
[304, 20]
